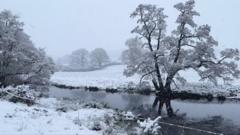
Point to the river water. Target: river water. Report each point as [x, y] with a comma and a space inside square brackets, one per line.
[225, 116]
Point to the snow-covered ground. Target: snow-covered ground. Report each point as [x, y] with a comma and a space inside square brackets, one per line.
[112, 77]
[51, 116]
[43, 119]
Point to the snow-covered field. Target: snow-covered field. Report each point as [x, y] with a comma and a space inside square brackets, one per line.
[112, 77]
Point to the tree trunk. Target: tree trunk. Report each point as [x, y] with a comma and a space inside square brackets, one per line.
[169, 107]
[161, 103]
[162, 98]
[2, 81]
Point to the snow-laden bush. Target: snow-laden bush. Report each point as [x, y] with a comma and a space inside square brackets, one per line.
[128, 115]
[96, 123]
[21, 93]
[150, 127]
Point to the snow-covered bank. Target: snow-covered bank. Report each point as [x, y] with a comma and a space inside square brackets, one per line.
[43, 119]
[54, 117]
[51, 116]
[112, 77]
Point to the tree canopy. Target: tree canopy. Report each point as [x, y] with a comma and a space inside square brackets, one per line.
[20, 61]
[99, 57]
[80, 59]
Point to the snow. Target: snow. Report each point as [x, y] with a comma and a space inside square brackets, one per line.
[150, 126]
[22, 91]
[43, 119]
[110, 77]
[237, 96]
[129, 116]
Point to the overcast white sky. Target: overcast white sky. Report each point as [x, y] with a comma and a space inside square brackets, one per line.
[61, 26]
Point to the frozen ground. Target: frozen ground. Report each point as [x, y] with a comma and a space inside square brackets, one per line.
[112, 77]
[43, 119]
[50, 116]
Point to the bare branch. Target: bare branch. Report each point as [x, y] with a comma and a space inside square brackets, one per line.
[143, 76]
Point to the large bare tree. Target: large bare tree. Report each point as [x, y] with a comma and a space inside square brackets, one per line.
[159, 57]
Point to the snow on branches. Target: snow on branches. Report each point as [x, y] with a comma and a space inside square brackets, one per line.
[20, 61]
[159, 57]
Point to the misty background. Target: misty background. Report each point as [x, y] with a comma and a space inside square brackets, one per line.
[62, 26]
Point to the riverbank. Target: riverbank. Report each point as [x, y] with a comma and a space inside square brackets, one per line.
[182, 95]
[100, 113]
[51, 116]
[200, 114]
[20, 119]
[24, 112]
[111, 79]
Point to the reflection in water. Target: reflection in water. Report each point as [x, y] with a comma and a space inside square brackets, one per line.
[216, 124]
[115, 100]
[134, 101]
[197, 114]
[99, 95]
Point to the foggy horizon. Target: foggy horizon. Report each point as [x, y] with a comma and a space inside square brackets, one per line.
[64, 26]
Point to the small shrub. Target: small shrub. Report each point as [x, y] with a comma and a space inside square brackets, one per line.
[221, 98]
[96, 126]
[62, 109]
[95, 105]
[150, 127]
[93, 88]
[209, 97]
[111, 90]
[63, 86]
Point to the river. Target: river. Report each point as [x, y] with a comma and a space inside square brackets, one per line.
[225, 115]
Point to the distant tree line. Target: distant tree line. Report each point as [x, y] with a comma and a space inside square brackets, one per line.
[83, 60]
[20, 61]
